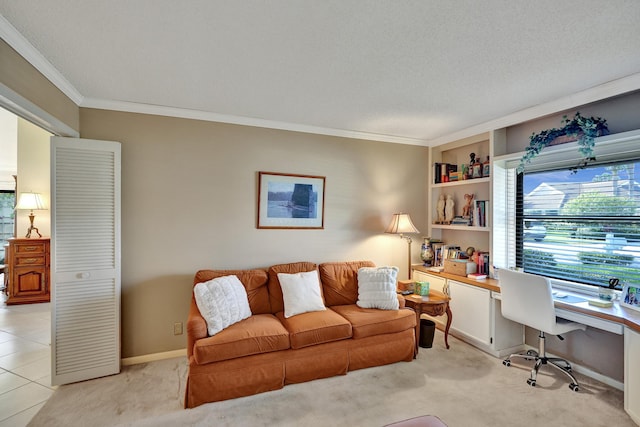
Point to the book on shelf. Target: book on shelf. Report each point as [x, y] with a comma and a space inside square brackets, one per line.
[483, 260]
[480, 213]
[442, 172]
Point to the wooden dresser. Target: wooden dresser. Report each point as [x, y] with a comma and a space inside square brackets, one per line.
[27, 271]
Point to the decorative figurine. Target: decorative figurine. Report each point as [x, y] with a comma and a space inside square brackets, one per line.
[468, 201]
[440, 209]
[448, 209]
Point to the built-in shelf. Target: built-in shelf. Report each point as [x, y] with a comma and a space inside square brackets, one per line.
[459, 227]
[463, 182]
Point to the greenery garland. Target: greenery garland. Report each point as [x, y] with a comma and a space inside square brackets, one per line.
[584, 129]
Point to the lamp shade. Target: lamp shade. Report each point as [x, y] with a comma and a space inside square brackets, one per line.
[401, 224]
[30, 201]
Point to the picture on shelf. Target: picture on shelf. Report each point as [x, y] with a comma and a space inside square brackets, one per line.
[630, 297]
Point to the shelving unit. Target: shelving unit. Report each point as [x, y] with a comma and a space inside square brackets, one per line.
[457, 153]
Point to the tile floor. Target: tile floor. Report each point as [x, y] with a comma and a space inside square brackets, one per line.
[25, 361]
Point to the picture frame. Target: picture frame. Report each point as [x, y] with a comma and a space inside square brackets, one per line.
[288, 201]
[630, 297]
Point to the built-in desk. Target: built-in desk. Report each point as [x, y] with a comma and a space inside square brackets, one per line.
[616, 319]
[621, 316]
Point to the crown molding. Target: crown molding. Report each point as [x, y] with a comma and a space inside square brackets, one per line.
[160, 110]
[21, 45]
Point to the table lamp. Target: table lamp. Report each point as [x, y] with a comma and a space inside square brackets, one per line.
[401, 224]
[30, 201]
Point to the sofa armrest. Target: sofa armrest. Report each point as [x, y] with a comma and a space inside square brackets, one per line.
[401, 301]
[196, 327]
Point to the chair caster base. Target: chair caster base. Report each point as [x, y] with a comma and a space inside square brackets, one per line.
[506, 362]
[531, 382]
[574, 387]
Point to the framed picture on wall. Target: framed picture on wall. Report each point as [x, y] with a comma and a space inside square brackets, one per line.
[290, 201]
[630, 297]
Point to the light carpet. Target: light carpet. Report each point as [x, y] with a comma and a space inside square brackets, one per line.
[463, 386]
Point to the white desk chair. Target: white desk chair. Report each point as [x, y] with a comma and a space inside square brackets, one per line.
[527, 299]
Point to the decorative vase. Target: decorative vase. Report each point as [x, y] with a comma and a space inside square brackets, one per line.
[426, 253]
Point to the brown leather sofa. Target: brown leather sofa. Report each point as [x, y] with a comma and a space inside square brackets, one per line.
[267, 351]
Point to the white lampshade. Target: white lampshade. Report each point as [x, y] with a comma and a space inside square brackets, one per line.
[401, 224]
[30, 201]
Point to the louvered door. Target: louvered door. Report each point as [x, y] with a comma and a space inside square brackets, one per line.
[85, 259]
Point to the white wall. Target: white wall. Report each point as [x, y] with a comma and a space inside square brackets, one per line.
[34, 175]
[8, 149]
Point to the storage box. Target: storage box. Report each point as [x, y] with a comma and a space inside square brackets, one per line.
[406, 285]
[460, 267]
[421, 288]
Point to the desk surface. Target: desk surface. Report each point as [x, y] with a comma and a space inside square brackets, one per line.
[622, 315]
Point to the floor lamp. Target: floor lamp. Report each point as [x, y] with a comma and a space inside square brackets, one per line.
[401, 224]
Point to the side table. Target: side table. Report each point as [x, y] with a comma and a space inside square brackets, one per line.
[434, 304]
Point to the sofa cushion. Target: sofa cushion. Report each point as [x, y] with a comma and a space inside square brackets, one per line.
[315, 327]
[260, 333]
[254, 281]
[275, 291]
[340, 281]
[366, 322]
[222, 302]
[377, 288]
[301, 292]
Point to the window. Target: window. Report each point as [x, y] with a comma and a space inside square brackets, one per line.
[581, 226]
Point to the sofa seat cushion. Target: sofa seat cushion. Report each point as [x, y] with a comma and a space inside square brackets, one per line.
[315, 327]
[260, 333]
[367, 322]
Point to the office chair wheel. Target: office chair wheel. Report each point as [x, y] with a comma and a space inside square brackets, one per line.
[506, 362]
[531, 382]
[532, 353]
[574, 387]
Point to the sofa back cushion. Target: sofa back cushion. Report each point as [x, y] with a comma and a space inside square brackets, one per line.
[254, 281]
[340, 281]
[275, 291]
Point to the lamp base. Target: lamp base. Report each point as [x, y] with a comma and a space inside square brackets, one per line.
[31, 227]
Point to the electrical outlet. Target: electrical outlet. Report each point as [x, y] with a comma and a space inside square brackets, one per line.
[177, 328]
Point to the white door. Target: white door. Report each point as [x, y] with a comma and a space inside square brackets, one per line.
[85, 259]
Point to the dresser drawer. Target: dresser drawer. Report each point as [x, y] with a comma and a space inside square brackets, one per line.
[29, 248]
[24, 261]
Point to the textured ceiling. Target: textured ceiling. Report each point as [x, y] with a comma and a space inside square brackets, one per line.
[417, 70]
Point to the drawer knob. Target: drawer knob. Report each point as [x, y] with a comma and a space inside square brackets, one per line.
[84, 275]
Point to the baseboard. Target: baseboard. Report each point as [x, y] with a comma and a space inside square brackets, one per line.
[127, 361]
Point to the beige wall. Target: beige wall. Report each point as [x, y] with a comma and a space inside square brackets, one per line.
[189, 202]
[621, 113]
[22, 78]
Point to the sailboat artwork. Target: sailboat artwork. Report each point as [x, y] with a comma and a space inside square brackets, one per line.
[291, 201]
[299, 203]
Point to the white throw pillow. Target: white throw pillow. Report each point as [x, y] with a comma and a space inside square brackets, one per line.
[222, 302]
[377, 288]
[301, 292]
